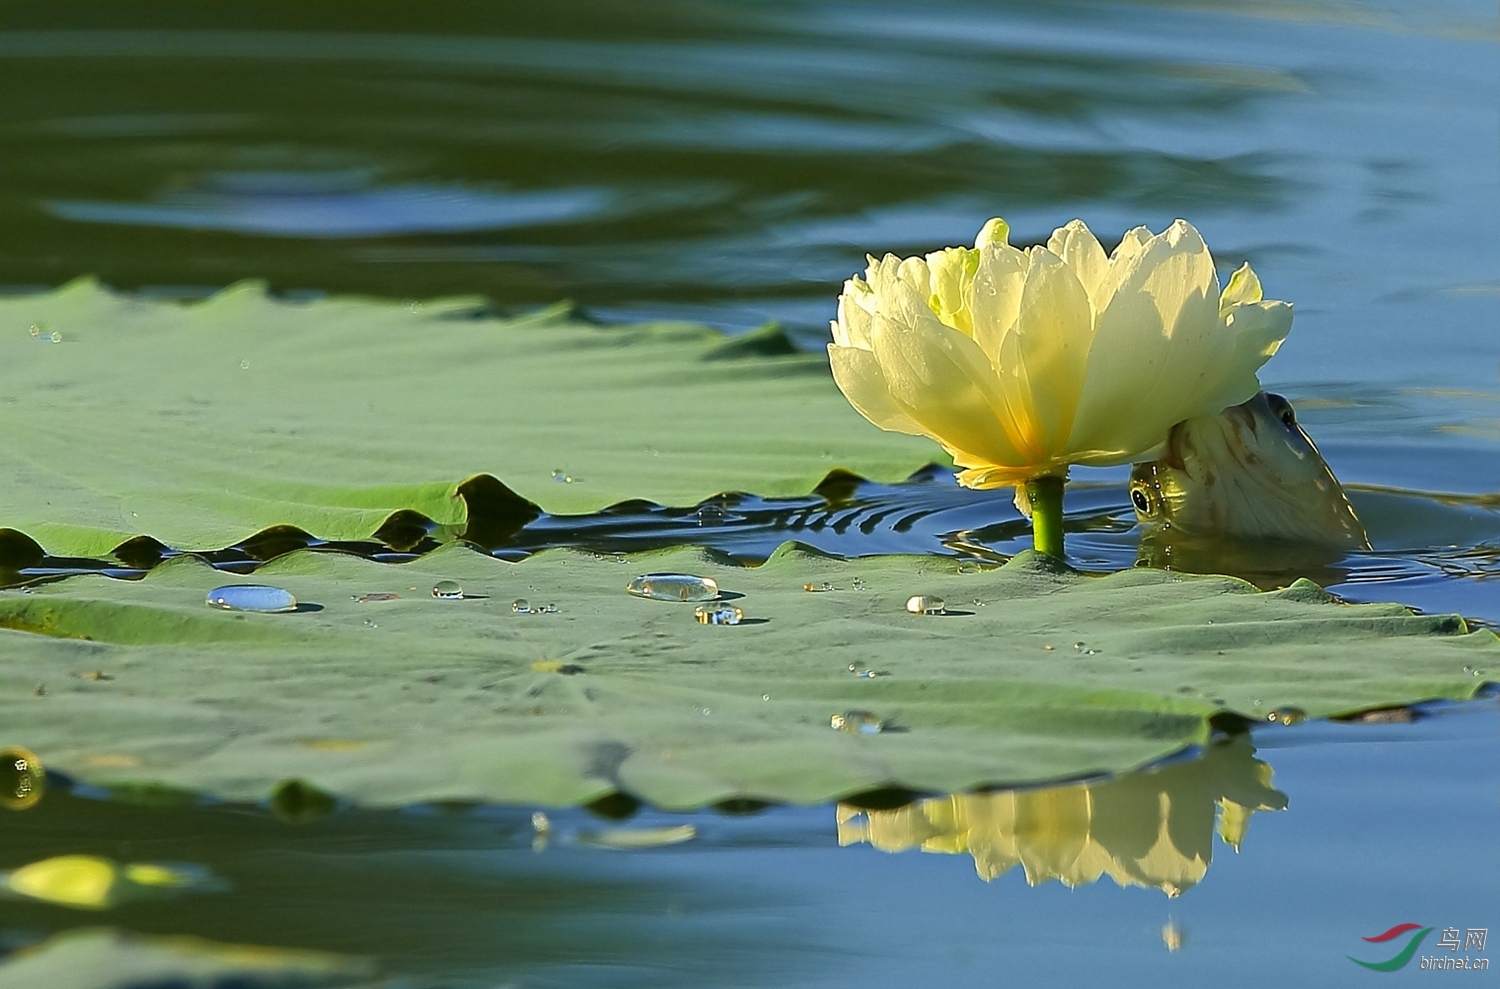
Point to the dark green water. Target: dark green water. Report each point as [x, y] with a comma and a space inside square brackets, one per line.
[732, 163]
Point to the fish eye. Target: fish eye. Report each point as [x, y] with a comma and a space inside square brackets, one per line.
[1282, 409]
[1140, 501]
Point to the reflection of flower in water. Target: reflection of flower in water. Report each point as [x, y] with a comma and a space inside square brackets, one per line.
[1150, 829]
[88, 882]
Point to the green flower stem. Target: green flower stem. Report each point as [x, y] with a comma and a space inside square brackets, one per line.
[1046, 495]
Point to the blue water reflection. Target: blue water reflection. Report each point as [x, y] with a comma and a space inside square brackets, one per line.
[1348, 152]
[299, 204]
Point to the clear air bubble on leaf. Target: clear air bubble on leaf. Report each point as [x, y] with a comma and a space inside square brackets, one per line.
[447, 590]
[925, 604]
[718, 614]
[674, 587]
[858, 722]
[251, 597]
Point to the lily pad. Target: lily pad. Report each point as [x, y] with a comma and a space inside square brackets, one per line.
[1031, 673]
[199, 424]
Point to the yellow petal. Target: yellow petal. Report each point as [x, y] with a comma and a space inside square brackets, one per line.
[856, 306]
[914, 273]
[1121, 265]
[858, 375]
[995, 297]
[943, 382]
[1159, 352]
[881, 275]
[1258, 328]
[994, 232]
[1133, 243]
[1080, 250]
[1042, 361]
[1243, 287]
[952, 273]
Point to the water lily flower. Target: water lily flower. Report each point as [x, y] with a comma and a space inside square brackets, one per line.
[1021, 363]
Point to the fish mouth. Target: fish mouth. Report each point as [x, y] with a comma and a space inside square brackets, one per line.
[1247, 474]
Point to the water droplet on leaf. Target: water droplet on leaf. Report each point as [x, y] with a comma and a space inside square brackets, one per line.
[718, 614]
[22, 778]
[857, 722]
[251, 597]
[447, 590]
[925, 604]
[1287, 715]
[674, 587]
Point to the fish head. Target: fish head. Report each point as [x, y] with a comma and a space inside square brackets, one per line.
[1247, 474]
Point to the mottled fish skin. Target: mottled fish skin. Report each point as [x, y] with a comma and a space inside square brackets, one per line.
[1250, 473]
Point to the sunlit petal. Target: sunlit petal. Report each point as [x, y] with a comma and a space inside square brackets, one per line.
[952, 272]
[942, 381]
[1042, 361]
[856, 309]
[858, 375]
[1080, 250]
[1159, 349]
[995, 297]
[1243, 287]
[994, 232]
